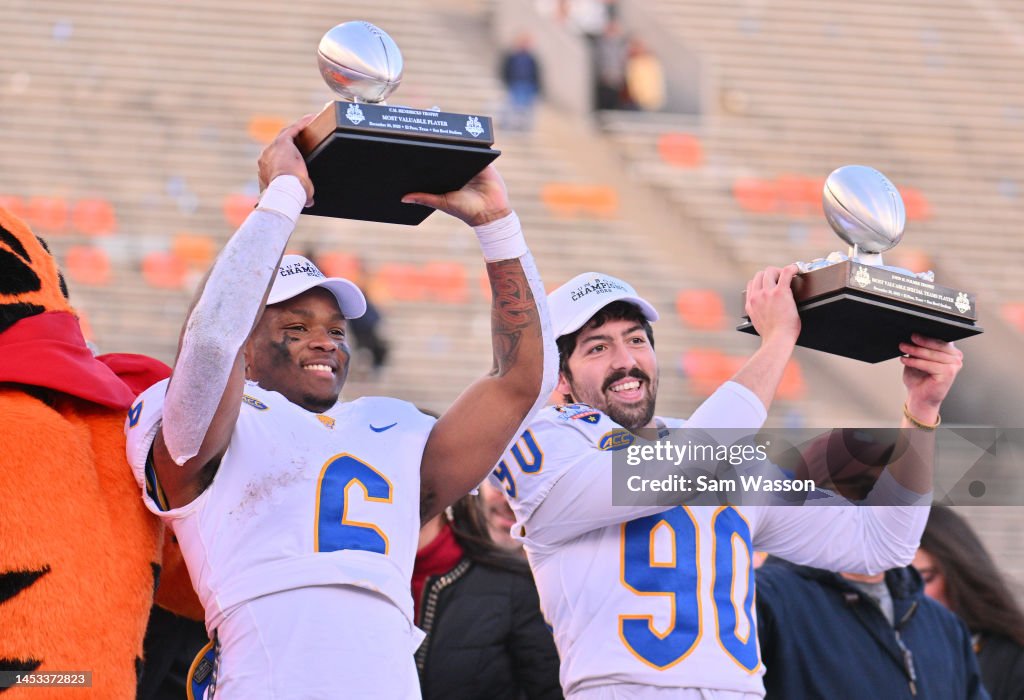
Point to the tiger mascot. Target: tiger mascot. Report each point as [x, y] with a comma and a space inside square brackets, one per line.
[80, 556]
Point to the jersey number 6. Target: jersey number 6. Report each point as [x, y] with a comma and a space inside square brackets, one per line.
[679, 580]
[334, 529]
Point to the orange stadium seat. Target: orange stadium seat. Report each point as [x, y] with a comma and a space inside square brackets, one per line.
[792, 386]
[707, 368]
[755, 195]
[1013, 313]
[237, 207]
[94, 217]
[681, 150]
[263, 129]
[195, 250]
[15, 205]
[164, 270]
[87, 265]
[701, 308]
[337, 264]
[572, 200]
[398, 282]
[446, 281]
[916, 204]
[83, 323]
[48, 214]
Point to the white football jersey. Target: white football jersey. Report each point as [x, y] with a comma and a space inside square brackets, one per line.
[663, 596]
[300, 499]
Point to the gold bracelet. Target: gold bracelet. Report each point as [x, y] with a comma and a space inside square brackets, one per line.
[920, 424]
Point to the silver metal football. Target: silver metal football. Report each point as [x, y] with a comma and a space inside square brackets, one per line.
[360, 62]
[864, 208]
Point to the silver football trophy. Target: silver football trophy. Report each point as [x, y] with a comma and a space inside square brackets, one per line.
[853, 304]
[363, 156]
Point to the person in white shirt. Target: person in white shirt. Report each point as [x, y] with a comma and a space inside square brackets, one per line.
[298, 515]
[656, 601]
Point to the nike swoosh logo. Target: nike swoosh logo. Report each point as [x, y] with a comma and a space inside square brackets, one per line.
[381, 430]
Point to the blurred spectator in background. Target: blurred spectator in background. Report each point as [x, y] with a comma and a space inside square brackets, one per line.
[500, 518]
[960, 574]
[366, 330]
[478, 605]
[611, 50]
[645, 79]
[520, 72]
[828, 635]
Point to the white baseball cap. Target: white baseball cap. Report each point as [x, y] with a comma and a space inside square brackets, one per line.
[298, 274]
[576, 301]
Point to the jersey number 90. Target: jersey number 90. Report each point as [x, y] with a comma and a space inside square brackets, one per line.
[679, 580]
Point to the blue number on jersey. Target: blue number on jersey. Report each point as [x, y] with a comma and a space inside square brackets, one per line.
[643, 575]
[334, 530]
[728, 526]
[680, 579]
[529, 462]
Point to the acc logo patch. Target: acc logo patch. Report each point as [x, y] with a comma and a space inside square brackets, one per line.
[617, 439]
[254, 402]
[578, 411]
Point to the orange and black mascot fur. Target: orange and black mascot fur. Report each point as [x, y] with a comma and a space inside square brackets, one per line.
[80, 556]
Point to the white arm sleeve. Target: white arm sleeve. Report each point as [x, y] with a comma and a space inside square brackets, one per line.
[224, 315]
[840, 536]
[575, 494]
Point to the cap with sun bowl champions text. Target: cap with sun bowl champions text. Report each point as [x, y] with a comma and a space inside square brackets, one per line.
[576, 301]
[297, 274]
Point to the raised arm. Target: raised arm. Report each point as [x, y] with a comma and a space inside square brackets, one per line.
[772, 310]
[469, 439]
[205, 391]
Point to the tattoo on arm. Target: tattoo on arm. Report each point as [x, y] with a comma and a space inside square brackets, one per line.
[513, 310]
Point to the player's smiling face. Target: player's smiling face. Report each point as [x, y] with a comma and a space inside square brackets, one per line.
[614, 369]
[299, 350]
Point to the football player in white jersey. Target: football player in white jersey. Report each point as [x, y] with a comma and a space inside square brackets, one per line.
[298, 515]
[657, 601]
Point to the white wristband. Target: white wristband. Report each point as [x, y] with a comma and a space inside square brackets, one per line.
[502, 239]
[286, 196]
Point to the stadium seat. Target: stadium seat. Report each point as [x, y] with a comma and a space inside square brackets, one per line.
[573, 200]
[263, 129]
[681, 150]
[702, 309]
[87, 265]
[237, 207]
[48, 214]
[195, 250]
[164, 270]
[94, 217]
[446, 281]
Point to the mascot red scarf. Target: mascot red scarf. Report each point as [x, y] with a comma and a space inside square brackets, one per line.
[80, 556]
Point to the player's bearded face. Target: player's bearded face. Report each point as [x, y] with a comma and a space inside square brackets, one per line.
[613, 368]
[299, 350]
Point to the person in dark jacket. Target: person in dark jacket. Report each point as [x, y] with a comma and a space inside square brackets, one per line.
[961, 575]
[478, 605]
[834, 636]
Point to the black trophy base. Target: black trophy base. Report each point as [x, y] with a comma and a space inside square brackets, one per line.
[868, 329]
[363, 158]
